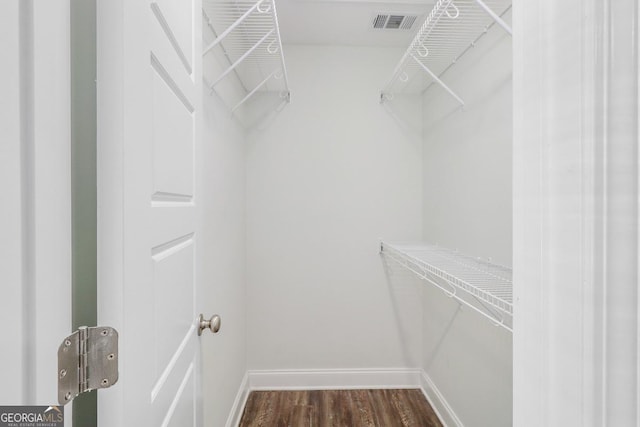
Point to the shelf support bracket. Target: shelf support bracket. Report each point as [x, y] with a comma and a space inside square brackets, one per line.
[284, 68]
[232, 27]
[437, 80]
[495, 16]
[242, 58]
[250, 94]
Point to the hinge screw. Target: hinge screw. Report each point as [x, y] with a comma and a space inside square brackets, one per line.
[63, 373]
[111, 356]
[105, 382]
[67, 396]
[67, 343]
[104, 332]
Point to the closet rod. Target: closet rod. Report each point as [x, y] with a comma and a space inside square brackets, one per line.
[495, 16]
[234, 25]
[242, 58]
[437, 80]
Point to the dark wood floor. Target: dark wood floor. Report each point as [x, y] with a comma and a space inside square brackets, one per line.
[339, 408]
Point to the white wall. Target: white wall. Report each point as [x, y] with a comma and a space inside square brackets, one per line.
[224, 355]
[467, 204]
[326, 178]
[467, 153]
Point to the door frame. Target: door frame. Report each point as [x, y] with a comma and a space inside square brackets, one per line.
[35, 166]
[109, 180]
[576, 203]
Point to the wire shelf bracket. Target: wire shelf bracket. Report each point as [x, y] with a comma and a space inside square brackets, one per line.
[449, 31]
[480, 285]
[437, 80]
[250, 94]
[495, 17]
[250, 40]
[239, 60]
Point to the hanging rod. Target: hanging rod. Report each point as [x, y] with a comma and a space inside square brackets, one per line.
[447, 32]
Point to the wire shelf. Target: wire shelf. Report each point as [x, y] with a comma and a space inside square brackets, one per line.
[449, 31]
[247, 33]
[484, 286]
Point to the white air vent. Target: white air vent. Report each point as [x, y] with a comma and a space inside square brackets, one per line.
[379, 21]
[408, 22]
[390, 21]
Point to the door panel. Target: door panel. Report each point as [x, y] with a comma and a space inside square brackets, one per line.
[173, 299]
[172, 245]
[176, 388]
[172, 142]
[168, 62]
[177, 21]
[156, 208]
[182, 412]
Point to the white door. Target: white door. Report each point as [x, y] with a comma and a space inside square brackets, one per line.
[35, 211]
[149, 97]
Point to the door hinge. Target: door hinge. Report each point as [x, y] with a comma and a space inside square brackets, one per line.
[87, 360]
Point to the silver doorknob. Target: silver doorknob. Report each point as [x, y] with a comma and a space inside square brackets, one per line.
[213, 324]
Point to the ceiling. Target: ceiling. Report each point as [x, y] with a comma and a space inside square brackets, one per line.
[342, 22]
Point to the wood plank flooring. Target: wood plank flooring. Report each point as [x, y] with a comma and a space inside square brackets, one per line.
[339, 408]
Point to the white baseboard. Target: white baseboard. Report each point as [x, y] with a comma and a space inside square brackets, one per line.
[325, 379]
[439, 404]
[344, 379]
[239, 403]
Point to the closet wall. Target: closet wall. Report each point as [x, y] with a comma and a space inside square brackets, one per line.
[467, 205]
[333, 172]
[327, 177]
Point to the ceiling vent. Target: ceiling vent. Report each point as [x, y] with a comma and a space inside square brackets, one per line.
[388, 21]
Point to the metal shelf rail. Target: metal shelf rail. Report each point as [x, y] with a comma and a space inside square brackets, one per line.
[247, 33]
[481, 285]
[449, 31]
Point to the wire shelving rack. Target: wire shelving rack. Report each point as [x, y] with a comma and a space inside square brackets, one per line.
[449, 31]
[248, 35]
[479, 284]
